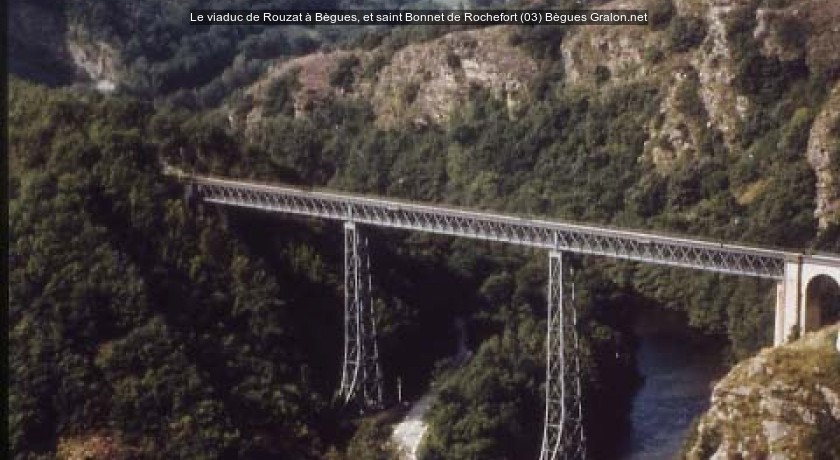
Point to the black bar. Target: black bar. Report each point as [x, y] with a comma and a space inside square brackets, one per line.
[418, 17]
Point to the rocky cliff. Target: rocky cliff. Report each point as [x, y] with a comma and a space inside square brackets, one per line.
[783, 403]
[699, 62]
[420, 83]
[46, 47]
[706, 58]
[823, 149]
[95, 60]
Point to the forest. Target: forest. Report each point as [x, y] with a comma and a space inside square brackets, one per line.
[179, 330]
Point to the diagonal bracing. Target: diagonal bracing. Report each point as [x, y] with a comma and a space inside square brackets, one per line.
[361, 376]
[563, 436]
[568, 237]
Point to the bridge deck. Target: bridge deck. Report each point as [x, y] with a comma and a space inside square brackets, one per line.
[563, 236]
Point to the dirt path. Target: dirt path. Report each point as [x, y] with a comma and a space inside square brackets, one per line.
[409, 433]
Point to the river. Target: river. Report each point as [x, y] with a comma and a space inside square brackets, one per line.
[678, 372]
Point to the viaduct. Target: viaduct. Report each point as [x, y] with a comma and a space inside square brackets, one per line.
[807, 285]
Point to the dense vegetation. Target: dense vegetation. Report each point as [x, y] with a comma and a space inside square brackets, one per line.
[183, 332]
[162, 54]
[131, 314]
[160, 325]
[589, 144]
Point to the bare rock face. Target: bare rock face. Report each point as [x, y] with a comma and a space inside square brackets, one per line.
[714, 64]
[823, 150]
[619, 50]
[674, 134]
[46, 48]
[783, 403]
[312, 75]
[420, 84]
[424, 82]
[97, 60]
[796, 30]
[641, 53]
[92, 446]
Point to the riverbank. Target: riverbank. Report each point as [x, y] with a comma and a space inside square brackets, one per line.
[678, 369]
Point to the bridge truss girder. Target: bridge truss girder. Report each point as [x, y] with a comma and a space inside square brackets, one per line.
[361, 376]
[552, 235]
[563, 435]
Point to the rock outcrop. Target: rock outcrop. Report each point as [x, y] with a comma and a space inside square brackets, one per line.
[697, 72]
[93, 446]
[823, 150]
[420, 83]
[795, 30]
[441, 73]
[97, 60]
[311, 74]
[783, 403]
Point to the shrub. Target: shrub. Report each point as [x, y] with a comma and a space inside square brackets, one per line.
[661, 12]
[453, 60]
[375, 65]
[280, 95]
[602, 74]
[686, 32]
[409, 93]
[653, 55]
[687, 100]
[793, 33]
[343, 77]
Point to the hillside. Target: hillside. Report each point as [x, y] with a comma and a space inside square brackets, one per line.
[782, 403]
[420, 83]
[708, 122]
[163, 328]
[149, 49]
[718, 70]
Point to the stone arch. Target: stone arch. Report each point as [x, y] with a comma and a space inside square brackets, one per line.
[822, 302]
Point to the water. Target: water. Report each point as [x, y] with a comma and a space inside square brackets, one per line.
[678, 374]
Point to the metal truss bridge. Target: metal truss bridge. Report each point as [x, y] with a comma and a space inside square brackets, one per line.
[553, 235]
[361, 386]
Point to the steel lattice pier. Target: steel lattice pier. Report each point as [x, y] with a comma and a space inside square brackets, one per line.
[361, 376]
[563, 436]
